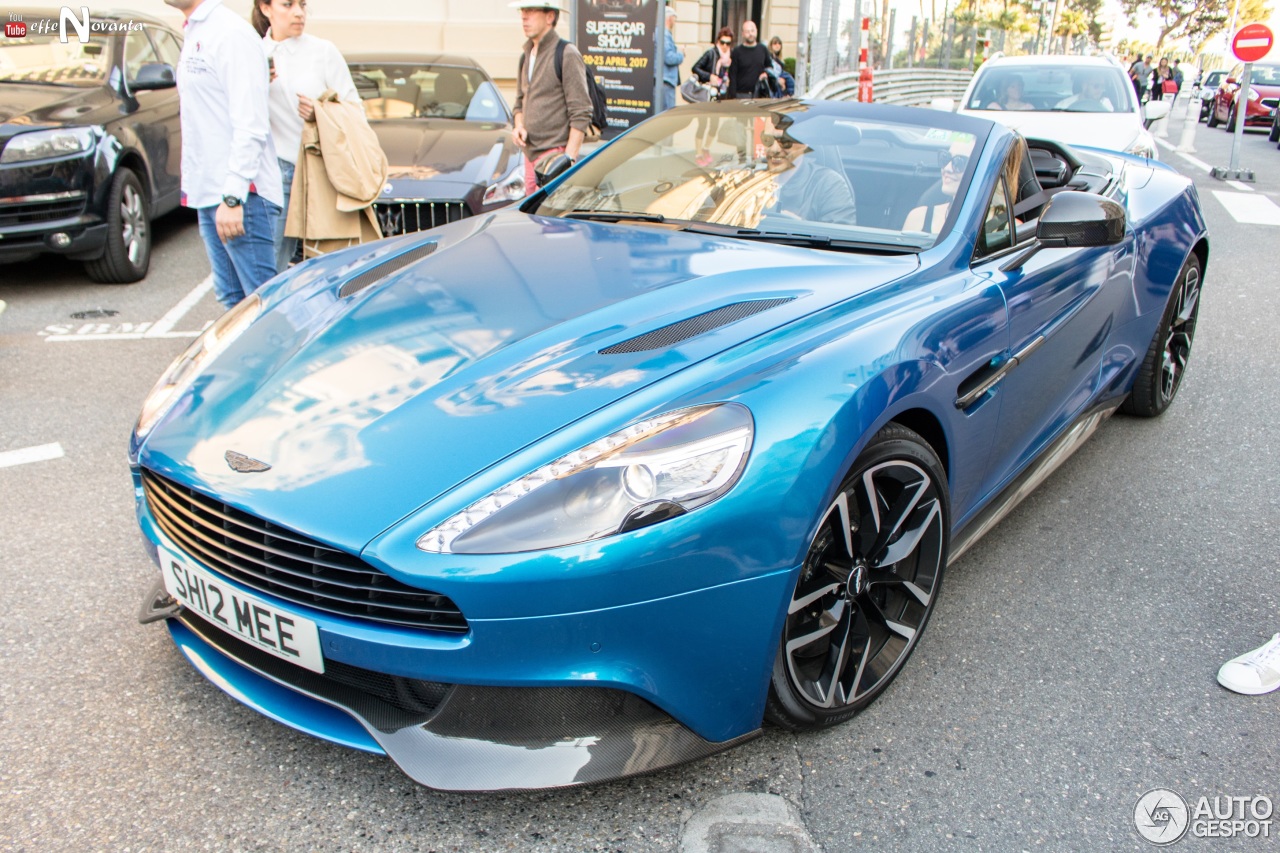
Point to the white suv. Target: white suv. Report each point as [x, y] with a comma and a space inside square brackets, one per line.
[1079, 100]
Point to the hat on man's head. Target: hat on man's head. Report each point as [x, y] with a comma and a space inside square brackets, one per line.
[556, 5]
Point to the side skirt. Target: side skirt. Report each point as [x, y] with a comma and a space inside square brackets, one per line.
[1033, 475]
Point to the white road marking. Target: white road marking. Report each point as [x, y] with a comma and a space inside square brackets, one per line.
[1199, 164]
[1249, 209]
[177, 312]
[40, 453]
[162, 328]
[1243, 187]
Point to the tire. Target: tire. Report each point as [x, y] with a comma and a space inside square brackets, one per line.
[1274, 135]
[1204, 114]
[861, 601]
[127, 255]
[1160, 375]
[1213, 115]
[1231, 121]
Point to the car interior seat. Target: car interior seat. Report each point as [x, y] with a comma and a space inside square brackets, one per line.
[450, 95]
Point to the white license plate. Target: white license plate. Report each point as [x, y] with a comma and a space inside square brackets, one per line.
[247, 617]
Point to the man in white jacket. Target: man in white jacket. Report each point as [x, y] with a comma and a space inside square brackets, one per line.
[229, 169]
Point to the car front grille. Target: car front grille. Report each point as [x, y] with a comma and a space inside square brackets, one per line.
[31, 210]
[405, 217]
[288, 565]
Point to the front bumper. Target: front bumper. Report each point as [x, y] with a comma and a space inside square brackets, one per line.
[451, 737]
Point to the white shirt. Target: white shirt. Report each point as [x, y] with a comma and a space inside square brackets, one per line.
[305, 65]
[1066, 103]
[222, 89]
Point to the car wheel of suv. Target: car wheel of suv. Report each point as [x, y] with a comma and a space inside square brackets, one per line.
[128, 252]
[1213, 115]
[867, 586]
[1160, 375]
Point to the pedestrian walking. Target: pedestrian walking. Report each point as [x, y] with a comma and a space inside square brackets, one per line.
[552, 110]
[672, 59]
[1138, 73]
[230, 174]
[750, 61]
[1161, 80]
[302, 67]
[785, 80]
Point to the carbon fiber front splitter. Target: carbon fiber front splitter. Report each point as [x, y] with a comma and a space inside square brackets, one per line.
[453, 737]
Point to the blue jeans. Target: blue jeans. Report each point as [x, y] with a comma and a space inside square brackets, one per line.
[285, 246]
[243, 264]
[668, 95]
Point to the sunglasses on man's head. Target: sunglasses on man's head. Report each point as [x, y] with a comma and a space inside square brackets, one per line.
[783, 140]
[957, 162]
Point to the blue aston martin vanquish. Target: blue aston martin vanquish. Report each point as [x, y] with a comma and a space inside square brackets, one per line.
[685, 443]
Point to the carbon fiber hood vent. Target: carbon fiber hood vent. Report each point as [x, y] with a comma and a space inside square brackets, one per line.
[385, 269]
[691, 327]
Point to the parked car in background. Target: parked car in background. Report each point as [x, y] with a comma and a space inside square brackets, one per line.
[90, 144]
[1108, 115]
[684, 443]
[1205, 90]
[446, 131]
[1264, 95]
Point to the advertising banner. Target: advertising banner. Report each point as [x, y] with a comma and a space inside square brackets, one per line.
[619, 44]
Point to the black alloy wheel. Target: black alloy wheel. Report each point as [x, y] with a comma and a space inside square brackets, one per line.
[1160, 375]
[867, 587]
[127, 255]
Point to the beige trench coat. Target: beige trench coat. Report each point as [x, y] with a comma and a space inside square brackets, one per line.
[340, 173]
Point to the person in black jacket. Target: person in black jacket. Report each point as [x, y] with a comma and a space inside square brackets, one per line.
[712, 68]
[750, 59]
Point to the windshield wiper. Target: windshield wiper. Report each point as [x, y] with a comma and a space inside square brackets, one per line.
[614, 216]
[787, 238]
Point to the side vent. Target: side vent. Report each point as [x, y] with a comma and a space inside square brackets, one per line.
[671, 335]
[385, 269]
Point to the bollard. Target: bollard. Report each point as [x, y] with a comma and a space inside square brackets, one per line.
[1190, 121]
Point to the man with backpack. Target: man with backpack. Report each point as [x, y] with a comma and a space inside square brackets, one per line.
[553, 110]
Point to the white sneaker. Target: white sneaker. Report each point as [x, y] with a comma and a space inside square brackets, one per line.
[1254, 672]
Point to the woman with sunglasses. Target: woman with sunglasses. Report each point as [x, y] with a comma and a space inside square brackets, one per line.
[936, 202]
[712, 69]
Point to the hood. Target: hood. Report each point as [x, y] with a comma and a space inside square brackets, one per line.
[1113, 131]
[440, 152]
[26, 107]
[368, 406]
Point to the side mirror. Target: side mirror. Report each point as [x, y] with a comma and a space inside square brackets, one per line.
[154, 75]
[1154, 111]
[1074, 220]
[946, 105]
[1231, 81]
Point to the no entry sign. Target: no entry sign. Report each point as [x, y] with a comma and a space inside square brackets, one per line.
[1252, 42]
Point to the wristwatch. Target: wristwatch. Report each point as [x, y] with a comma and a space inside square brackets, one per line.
[231, 201]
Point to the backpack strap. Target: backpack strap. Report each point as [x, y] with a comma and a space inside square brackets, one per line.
[560, 46]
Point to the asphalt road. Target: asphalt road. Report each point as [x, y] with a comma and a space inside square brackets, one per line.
[1068, 669]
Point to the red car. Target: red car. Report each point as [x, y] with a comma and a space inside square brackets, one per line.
[1264, 94]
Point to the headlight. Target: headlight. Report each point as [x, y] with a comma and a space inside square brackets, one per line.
[44, 144]
[510, 188]
[1253, 94]
[188, 366]
[1143, 145]
[653, 470]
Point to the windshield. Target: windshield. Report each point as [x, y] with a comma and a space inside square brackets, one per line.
[1265, 75]
[1052, 88]
[44, 60]
[397, 90]
[781, 174]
